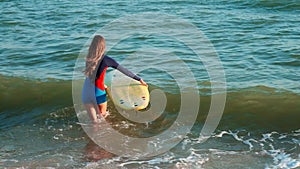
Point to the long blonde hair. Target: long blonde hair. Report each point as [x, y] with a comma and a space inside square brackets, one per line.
[95, 54]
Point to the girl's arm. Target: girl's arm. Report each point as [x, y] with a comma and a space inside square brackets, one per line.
[112, 63]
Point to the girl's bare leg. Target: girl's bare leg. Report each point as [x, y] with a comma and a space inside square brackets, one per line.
[103, 108]
[91, 109]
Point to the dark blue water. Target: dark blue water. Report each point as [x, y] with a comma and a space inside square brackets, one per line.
[256, 41]
[258, 46]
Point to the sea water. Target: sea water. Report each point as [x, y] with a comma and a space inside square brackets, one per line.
[257, 43]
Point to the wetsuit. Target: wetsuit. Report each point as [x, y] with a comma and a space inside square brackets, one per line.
[99, 92]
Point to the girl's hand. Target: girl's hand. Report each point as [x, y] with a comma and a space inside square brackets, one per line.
[143, 83]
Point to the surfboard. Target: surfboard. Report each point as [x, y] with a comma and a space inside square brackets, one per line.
[127, 93]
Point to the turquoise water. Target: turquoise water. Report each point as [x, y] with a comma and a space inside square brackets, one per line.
[256, 41]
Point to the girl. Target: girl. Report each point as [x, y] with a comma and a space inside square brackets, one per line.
[93, 93]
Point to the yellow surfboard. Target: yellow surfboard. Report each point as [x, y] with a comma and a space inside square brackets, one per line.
[127, 93]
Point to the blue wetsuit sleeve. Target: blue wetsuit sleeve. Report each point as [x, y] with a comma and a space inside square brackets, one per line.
[114, 64]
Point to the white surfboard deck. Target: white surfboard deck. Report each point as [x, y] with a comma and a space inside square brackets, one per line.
[127, 93]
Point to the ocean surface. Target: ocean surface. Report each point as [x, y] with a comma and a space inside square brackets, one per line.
[257, 43]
